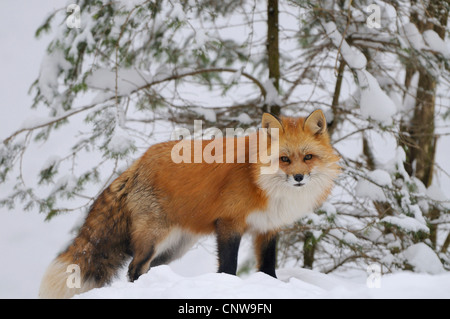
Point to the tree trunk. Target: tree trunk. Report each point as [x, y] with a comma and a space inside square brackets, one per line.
[309, 247]
[335, 102]
[446, 244]
[420, 140]
[420, 145]
[273, 52]
[421, 131]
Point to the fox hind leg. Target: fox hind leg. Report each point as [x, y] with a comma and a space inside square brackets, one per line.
[228, 241]
[174, 246]
[165, 248]
[140, 263]
[148, 231]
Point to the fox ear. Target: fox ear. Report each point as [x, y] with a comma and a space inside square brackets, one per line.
[316, 122]
[270, 121]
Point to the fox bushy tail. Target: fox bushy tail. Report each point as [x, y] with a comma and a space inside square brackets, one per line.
[99, 250]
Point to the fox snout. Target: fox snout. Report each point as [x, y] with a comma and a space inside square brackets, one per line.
[298, 180]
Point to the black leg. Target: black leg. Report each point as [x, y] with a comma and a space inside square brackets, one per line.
[140, 264]
[228, 241]
[162, 259]
[266, 245]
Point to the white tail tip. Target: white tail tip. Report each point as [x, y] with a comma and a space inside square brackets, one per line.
[63, 280]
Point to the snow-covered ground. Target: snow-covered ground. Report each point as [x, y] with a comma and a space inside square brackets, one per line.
[28, 244]
[163, 282]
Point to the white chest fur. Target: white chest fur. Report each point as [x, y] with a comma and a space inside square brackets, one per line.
[280, 212]
[286, 205]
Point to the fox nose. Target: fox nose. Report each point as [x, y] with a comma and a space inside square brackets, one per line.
[298, 177]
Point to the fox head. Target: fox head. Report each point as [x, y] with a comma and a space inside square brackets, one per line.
[306, 158]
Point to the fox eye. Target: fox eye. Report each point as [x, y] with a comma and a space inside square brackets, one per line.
[308, 157]
[285, 159]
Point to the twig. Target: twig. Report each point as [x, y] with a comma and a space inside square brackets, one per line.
[343, 37]
[52, 121]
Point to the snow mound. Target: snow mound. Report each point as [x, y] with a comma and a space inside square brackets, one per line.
[435, 43]
[407, 223]
[163, 283]
[380, 177]
[244, 118]
[375, 103]
[368, 189]
[413, 36]
[423, 259]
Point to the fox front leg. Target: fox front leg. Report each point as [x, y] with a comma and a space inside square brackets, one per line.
[265, 248]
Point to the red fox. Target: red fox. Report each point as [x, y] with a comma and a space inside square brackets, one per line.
[158, 208]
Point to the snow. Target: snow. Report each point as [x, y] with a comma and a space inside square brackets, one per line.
[365, 188]
[352, 56]
[396, 163]
[34, 121]
[423, 259]
[435, 192]
[350, 239]
[235, 77]
[415, 209]
[428, 40]
[336, 233]
[409, 101]
[329, 209]
[208, 114]
[130, 4]
[120, 141]
[435, 43]
[201, 38]
[163, 283]
[406, 222]
[51, 161]
[52, 64]
[244, 118]
[413, 36]
[374, 103]
[177, 12]
[272, 97]
[128, 80]
[381, 177]
[85, 35]
[66, 182]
